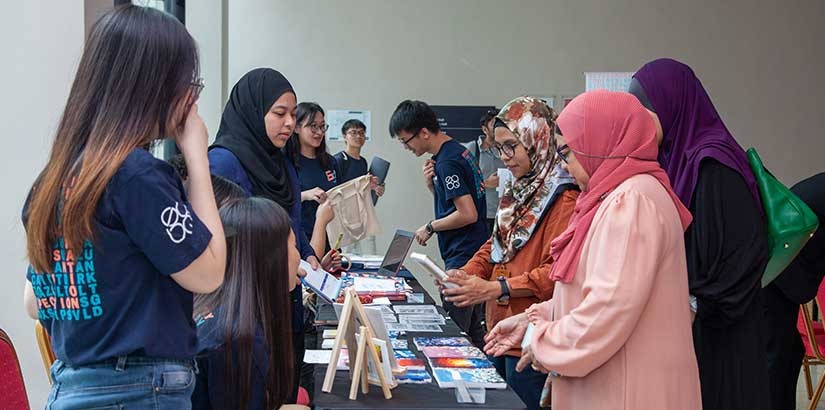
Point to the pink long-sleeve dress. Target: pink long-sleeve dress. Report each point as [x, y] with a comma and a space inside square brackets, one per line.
[619, 334]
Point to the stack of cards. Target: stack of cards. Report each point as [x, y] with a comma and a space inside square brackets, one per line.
[414, 377]
[422, 342]
[453, 352]
[487, 378]
[418, 318]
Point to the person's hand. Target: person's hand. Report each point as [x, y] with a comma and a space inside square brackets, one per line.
[491, 181]
[194, 138]
[315, 194]
[331, 261]
[379, 190]
[450, 272]
[325, 214]
[529, 359]
[429, 172]
[313, 261]
[422, 236]
[471, 289]
[506, 335]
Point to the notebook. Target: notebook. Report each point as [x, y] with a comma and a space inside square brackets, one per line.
[321, 282]
[379, 168]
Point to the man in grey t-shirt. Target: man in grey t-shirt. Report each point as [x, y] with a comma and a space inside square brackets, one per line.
[488, 160]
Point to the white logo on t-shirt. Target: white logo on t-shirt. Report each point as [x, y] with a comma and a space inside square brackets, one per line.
[178, 223]
[452, 182]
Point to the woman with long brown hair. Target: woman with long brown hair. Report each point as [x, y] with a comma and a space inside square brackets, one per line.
[116, 246]
[246, 350]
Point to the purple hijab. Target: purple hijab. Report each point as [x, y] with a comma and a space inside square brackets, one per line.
[692, 128]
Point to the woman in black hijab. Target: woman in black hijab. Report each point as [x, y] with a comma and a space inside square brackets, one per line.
[257, 121]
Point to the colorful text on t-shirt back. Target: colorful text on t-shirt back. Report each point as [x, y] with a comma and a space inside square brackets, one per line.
[70, 292]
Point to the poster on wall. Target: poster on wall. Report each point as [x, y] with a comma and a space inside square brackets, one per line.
[336, 119]
[611, 81]
[462, 122]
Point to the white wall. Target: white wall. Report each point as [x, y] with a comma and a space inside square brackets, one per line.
[203, 20]
[761, 61]
[41, 42]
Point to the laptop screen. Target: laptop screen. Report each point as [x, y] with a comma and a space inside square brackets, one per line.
[400, 245]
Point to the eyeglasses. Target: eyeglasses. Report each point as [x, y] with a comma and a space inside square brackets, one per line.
[562, 155]
[507, 149]
[318, 128]
[197, 86]
[407, 141]
[354, 133]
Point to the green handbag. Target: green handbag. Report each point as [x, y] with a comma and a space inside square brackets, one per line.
[791, 223]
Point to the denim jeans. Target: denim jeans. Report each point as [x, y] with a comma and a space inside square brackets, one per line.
[125, 383]
[527, 384]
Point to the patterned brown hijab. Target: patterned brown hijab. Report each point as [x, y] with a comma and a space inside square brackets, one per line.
[526, 200]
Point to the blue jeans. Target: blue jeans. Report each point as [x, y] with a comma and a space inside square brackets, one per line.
[125, 383]
[527, 384]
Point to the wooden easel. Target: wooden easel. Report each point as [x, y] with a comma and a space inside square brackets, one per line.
[359, 352]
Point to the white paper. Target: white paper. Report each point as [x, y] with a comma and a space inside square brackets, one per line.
[330, 333]
[317, 356]
[504, 177]
[366, 285]
[336, 119]
[434, 270]
[381, 301]
[321, 282]
[528, 336]
[611, 81]
[416, 310]
[328, 344]
[413, 327]
[431, 320]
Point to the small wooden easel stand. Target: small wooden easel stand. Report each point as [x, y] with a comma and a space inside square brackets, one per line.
[359, 352]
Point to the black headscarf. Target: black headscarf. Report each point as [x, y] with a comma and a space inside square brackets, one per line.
[243, 132]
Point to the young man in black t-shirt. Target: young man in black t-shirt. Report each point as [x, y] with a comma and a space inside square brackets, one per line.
[458, 198]
[351, 164]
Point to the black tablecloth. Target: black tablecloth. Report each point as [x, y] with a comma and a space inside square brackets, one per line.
[405, 396]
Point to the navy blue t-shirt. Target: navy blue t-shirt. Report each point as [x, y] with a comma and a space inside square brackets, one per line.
[115, 296]
[350, 168]
[210, 389]
[312, 175]
[456, 174]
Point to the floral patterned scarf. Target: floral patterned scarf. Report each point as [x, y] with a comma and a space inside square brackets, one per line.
[526, 200]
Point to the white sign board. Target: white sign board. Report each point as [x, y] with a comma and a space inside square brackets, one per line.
[607, 81]
[337, 118]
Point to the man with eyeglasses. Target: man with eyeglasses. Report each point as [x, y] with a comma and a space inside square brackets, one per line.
[351, 164]
[457, 184]
[489, 161]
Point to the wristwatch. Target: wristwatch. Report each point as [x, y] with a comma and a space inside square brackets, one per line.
[429, 228]
[504, 298]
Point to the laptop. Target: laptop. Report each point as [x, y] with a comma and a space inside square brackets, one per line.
[396, 253]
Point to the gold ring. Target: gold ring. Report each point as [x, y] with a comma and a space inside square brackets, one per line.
[533, 365]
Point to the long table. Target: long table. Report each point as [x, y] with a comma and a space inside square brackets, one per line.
[405, 396]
